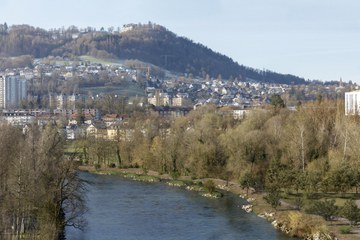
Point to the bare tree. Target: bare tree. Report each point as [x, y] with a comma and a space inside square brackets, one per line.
[40, 192]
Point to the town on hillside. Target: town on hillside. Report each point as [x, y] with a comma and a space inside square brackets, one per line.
[80, 95]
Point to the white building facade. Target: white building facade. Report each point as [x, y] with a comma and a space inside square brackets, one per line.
[13, 90]
[352, 103]
[2, 81]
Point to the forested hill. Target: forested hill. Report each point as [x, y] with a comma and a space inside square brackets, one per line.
[146, 42]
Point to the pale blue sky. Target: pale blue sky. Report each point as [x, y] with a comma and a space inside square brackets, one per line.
[314, 39]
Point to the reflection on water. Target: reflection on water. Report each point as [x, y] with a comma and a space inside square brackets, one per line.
[124, 209]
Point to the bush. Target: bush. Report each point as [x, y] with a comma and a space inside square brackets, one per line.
[209, 186]
[111, 165]
[299, 202]
[345, 229]
[135, 165]
[175, 175]
[302, 225]
[351, 212]
[247, 181]
[97, 166]
[309, 195]
[273, 197]
[145, 170]
[326, 209]
[198, 183]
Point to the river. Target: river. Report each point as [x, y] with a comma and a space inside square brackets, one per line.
[124, 209]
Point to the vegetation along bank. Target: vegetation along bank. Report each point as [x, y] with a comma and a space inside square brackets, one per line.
[301, 167]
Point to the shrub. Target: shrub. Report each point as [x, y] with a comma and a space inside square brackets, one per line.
[273, 197]
[345, 229]
[97, 166]
[351, 212]
[111, 165]
[198, 183]
[309, 195]
[135, 165]
[209, 186]
[175, 175]
[302, 225]
[299, 202]
[326, 209]
[247, 181]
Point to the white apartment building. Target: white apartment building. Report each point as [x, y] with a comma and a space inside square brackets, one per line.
[63, 101]
[2, 80]
[352, 103]
[13, 89]
[18, 118]
[71, 101]
[240, 113]
[160, 99]
[181, 101]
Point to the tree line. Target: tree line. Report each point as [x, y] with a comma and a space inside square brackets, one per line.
[313, 150]
[316, 133]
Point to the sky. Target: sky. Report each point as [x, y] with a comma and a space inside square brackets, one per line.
[313, 39]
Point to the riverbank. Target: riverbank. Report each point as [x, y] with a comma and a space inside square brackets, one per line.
[283, 218]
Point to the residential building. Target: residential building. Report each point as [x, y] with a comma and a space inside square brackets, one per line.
[71, 100]
[13, 90]
[110, 119]
[97, 130]
[160, 99]
[52, 100]
[119, 132]
[181, 100]
[2, 80]
[240, 113]
[61, 101]
[352, 103]
[172, 112]
[88, 113]
[72, 132]
[18, 118]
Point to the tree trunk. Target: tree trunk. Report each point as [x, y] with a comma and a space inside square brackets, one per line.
[345, 144]
[118, 155]
[302, 130]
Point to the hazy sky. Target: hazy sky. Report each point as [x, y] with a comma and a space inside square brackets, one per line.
[314, 39]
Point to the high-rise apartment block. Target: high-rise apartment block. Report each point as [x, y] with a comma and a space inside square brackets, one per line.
[352, 103]
[2, 80]
[13, 89]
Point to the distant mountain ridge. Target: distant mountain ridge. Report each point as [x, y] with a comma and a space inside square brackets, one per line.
[150, 43]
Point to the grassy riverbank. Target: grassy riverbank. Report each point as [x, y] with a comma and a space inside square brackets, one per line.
[284, 217]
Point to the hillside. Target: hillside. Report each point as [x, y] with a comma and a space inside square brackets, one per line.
[146, 42]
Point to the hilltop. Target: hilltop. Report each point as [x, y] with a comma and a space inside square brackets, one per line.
[150, 43]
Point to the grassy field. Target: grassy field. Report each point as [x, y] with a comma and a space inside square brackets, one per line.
[71, 147]
[340, 198]
[101, 60]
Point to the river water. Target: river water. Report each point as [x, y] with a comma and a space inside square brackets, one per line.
[130, 210]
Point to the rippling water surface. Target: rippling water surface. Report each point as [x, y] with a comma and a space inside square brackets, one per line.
[129, 210]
